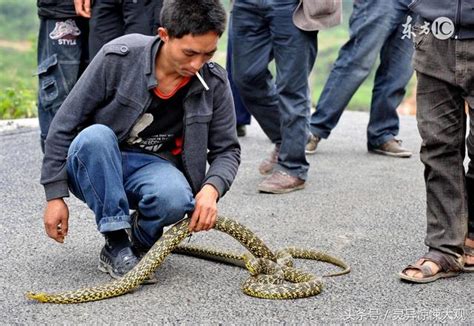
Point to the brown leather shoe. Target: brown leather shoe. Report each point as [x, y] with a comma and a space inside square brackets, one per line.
[391, 148]
[266, 167]
[280, 182]
[312, 144]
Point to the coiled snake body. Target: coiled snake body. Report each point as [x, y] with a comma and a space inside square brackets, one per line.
[276, 267]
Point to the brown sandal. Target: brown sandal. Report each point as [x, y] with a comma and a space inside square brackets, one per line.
[468, 251]
[448, 268]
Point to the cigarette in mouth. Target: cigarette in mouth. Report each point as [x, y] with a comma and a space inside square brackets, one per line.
[202, 81]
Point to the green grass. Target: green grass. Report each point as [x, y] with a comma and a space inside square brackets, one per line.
[18, 19]
[18, 85]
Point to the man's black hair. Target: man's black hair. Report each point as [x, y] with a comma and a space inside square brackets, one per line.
[195, 17]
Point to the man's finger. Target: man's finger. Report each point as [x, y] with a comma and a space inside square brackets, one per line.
[54, 232]
[211, 220]
[64, 226]
[87, 8]
[194, 220]
[204, 219]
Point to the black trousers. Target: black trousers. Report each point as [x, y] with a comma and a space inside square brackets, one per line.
[113, 18]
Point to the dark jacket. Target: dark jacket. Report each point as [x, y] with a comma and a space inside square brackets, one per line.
[115, 91]
[58, 9]
[461, 12]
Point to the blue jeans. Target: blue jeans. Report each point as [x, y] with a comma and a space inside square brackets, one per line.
[61, 60]
[375, 29]
[243, 116]
[263, 31]
[111, 182]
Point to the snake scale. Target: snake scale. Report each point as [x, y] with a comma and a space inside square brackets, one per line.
[268, 270]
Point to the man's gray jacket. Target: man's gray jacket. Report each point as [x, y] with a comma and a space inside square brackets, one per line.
[115, 91]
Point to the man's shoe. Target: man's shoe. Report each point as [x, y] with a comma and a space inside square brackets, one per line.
[280, 183]
[117, 266]
[241, 131]
[267, 165]
[391, 148]
[312, 144]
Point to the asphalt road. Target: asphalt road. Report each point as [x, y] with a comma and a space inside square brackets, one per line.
[364, 208]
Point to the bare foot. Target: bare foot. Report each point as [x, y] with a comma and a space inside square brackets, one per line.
[417, 274]
[469, 259]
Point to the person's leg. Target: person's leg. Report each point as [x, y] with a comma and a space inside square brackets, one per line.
[61, 59]
[94, 168]
[242, 115]
[95, 176]
[469, 243]
[137, 17]
[441, 123]
[160, 193]
[106, 23]
[369, 27]
[251, 53]
[293, 67]
[391, 78]
[442, 126]
[468, 87]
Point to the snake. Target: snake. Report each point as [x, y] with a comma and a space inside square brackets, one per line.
[268, 270]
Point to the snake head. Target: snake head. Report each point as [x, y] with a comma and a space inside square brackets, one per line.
[41, 297]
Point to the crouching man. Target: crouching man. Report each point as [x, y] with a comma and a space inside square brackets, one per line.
[136, 132]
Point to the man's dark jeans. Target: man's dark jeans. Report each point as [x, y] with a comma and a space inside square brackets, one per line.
[376, 29]
[243, 116]
[62, 57]
[445, 71]
[113, 18]
[263, 31]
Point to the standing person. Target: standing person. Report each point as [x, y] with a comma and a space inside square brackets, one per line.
[444, 63]
[137, 131]
[242, 114]
[62, 56]
[376, 29]
[263, 31]
[110, 19]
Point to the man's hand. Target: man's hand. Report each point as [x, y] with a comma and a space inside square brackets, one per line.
[83, 8]
[56, 216]
[205, 212]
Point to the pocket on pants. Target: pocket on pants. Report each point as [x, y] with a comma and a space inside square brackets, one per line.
[48, 85]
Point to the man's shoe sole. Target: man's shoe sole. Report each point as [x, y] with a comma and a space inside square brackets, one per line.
[279, 191]
[308, 152]
[400, 155]
[103, 267]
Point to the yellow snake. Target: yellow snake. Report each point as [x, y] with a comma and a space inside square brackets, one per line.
[260, 259]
